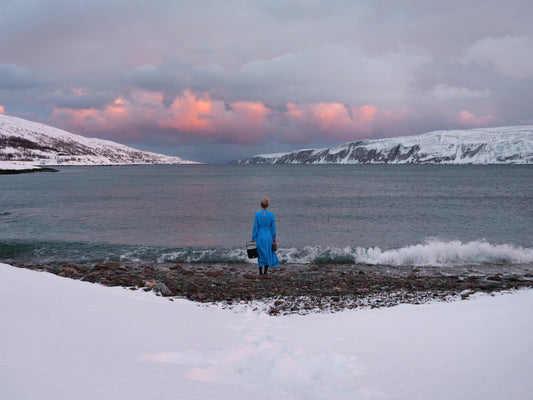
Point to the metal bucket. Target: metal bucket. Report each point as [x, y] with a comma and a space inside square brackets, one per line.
[251, 249]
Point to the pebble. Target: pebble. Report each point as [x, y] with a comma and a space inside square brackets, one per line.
[297, 288]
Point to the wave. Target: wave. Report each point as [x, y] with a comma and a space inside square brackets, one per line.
[432, 252]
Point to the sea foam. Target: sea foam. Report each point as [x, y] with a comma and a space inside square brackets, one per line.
[433, 252]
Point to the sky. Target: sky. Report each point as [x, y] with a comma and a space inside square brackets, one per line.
[213, 81]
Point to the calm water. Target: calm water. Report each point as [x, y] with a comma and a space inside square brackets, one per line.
[404, 214]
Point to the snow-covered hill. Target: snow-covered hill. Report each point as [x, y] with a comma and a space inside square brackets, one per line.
[503, 145]
[35, 143]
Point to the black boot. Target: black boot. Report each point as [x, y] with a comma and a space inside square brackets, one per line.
[266, 270]
[260, 270]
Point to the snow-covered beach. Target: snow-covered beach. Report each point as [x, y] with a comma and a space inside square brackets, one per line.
[64, 338]
[21, 167]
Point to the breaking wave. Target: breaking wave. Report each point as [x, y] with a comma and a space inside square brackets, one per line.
[432, 252]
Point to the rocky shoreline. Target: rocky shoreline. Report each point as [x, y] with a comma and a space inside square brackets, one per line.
[26, 171]
[301, 289]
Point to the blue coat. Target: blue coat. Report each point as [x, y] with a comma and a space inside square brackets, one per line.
[264, 234]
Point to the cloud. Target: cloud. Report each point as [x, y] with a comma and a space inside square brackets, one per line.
[466, 118]
[13, 77]
[2, 109]
[329, 73]
[190, 118]
[93, 120]
[446, 92]
[79, 98]
[200, 118]
[286, 73]
[336, 121]
[511, 56]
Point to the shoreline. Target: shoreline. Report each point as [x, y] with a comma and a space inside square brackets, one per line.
[301, 289]
[26, 171]
[23, 167]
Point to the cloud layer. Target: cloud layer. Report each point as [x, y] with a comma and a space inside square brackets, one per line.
[186, 77]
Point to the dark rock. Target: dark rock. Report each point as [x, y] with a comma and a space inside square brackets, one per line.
[273, 311]
[511, 278]
[252, 276]
[107, 266]
[214, 274]
[199, 297]
[149, 284]
[161, 288]
[67, 271]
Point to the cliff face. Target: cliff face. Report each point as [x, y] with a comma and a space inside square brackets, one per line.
[503, 145]
[22, 140]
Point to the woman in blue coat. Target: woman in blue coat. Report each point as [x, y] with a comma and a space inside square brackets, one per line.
[264, 235]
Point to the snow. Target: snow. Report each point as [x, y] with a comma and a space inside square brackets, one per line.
[66, 339]
[497, 145]
[272, 155]
[16, 166]
[85, 151]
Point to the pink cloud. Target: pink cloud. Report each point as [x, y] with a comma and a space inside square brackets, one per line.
[190, 116]
[202, 117]
[469, 119]
[331, 120]
[189, 113]
[92, 120]
[80, 91]
[2, 109]
[199, 118]
[329, 116]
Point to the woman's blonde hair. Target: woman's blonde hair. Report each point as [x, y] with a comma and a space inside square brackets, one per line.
[264, 203]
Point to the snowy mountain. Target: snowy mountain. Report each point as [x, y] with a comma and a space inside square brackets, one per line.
[35, 143]
[503, 145]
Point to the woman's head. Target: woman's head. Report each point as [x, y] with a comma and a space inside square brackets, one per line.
[264, 203]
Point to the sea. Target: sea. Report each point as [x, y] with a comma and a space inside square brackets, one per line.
[395, 215]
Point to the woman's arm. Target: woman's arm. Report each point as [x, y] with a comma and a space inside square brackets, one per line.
[273, 227]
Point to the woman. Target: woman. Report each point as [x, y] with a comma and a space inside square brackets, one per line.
[264, 234]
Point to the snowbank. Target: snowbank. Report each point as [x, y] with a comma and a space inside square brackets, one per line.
[66, 339]
[16, 166]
